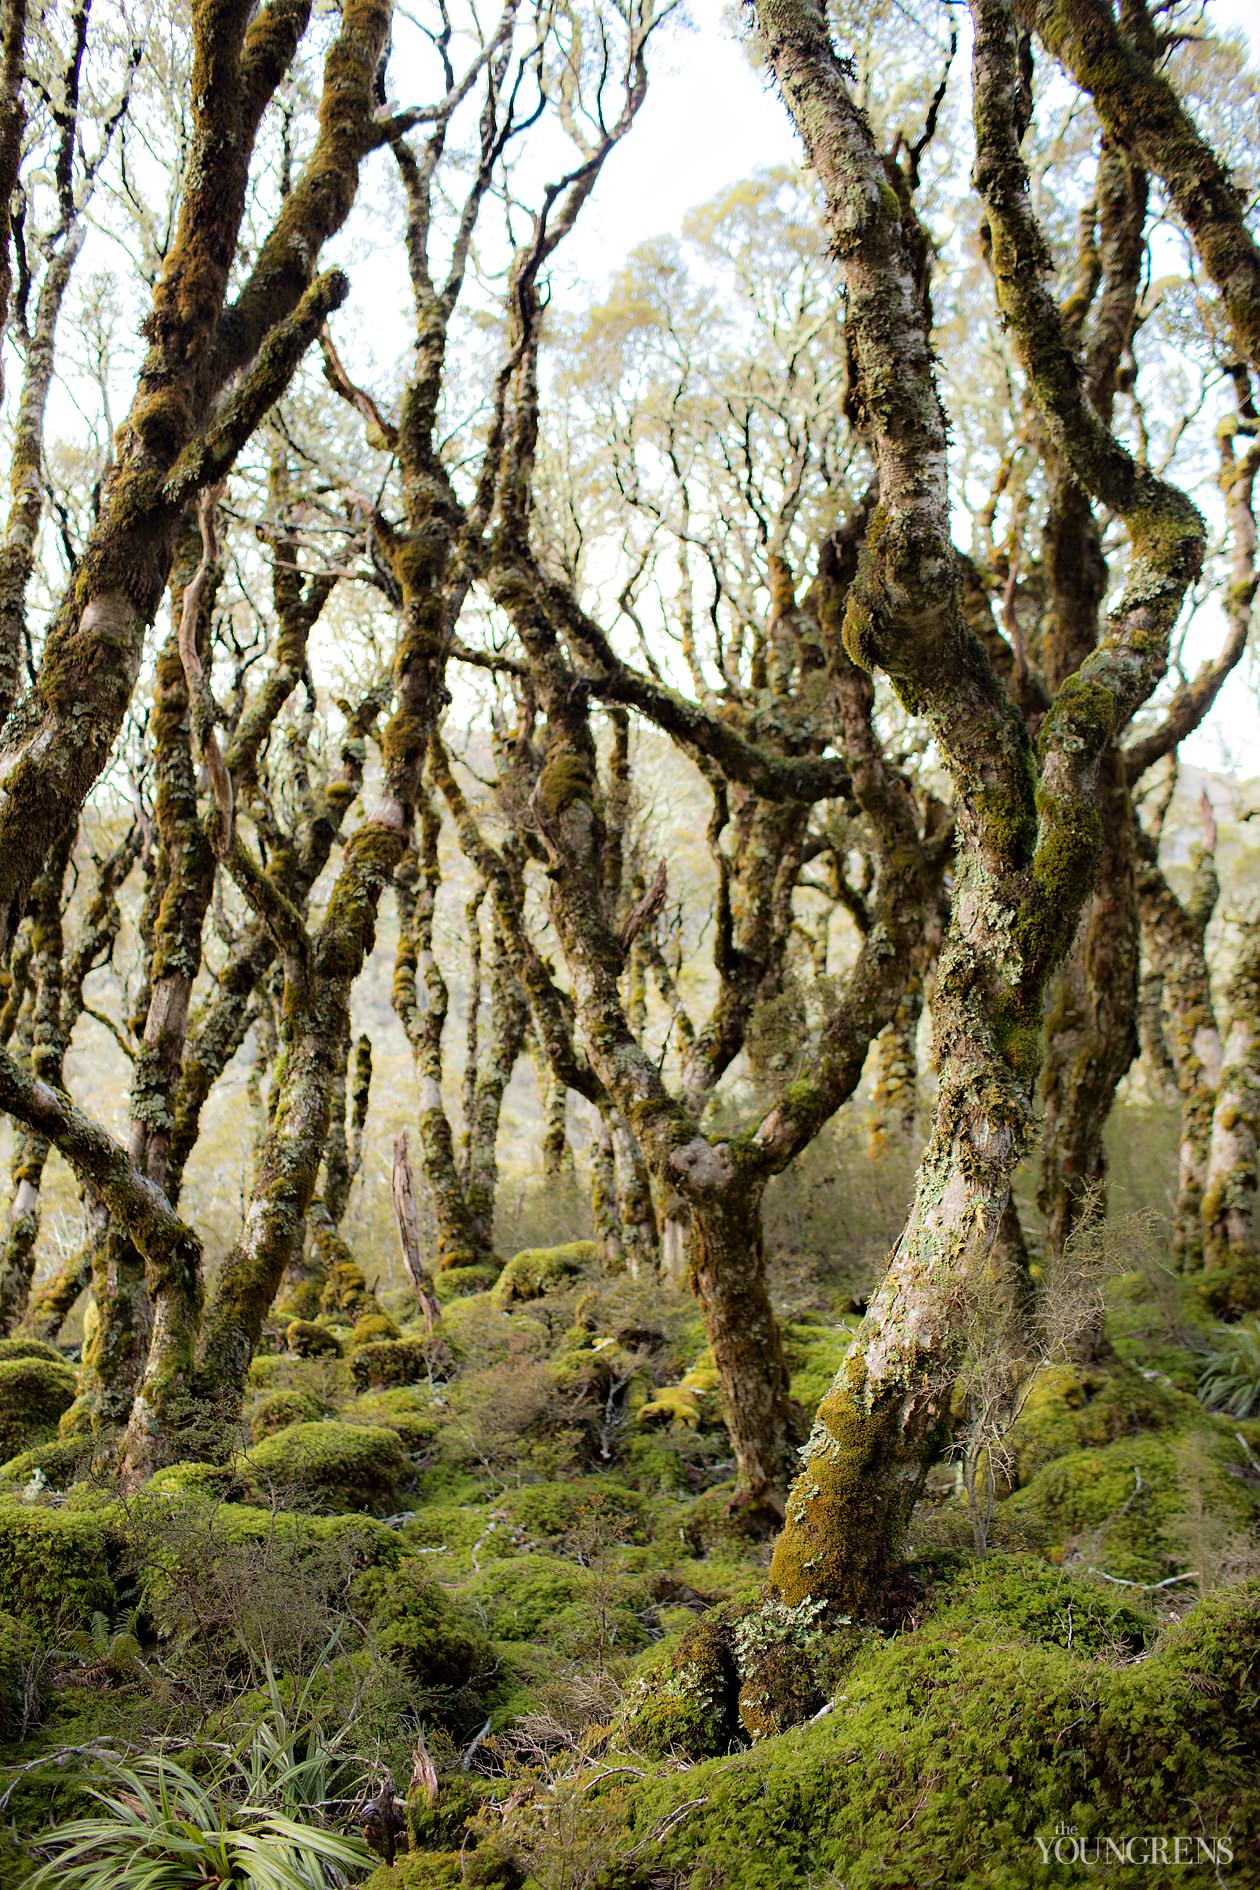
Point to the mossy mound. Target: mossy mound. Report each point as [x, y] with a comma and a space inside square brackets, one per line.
[486, 1868]
[536, 1271]
[30, 1348]
[438, 1643]
[34, 1391]
[463, 1282]
[1053, 1607]
[687, 1706]
[60, 1459]
[692, 1402]
[952, 1749]
[1070, 1408]
[582, 1512]
[308, 1338]
[54, 1566]
[281, 1408]
[379, 1365]
[573, 1610]
[332, 1467]
[1122, 1507]
[217, 1482]
[404, 1409]
[372, 1328]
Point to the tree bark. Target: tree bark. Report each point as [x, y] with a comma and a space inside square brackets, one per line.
[1231, 1224]
[1025, 863]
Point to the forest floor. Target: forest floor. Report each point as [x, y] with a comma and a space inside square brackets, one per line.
[483, 1585]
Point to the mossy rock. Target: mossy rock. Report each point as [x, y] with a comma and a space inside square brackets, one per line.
[333, 1467]
[54, 1566]
[1121, 1505]
[1069, 1407]
[950, 1752]
[537, 1271]
[463, 1282]
[34, 1391]
[537, 1597]
[452, 1529]
[592, 1510]
[218, 1579]
[388, 1362]
[686, 1707]
[420, 1870]
[61, 1459]
[372, 1328]
[524, 1596]
[1029, 1598]
[217, 1482]
[404, 1409]
[692, 1402]
[436, 1641]
[308, 1338]
[281, 1408]
[30, 1348]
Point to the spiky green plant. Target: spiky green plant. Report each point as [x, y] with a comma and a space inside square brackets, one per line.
[1230, 1379]
[159, 1828]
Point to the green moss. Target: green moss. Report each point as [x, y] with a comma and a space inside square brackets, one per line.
[686, 1706]
[306, 1338]
[218, 1482]
[372, 1328]
[438, 1643]
[19, 1667]
[536, 1271]
[60, 1459]
[461, 1282]
[29, 1348]
[395, 1362]
[814, 1355]
[281, 1408]
[1070, 1407]
[564, 779]
[581, 1512]
[1025, 1597]
[948, 1753]
[849, 1506]
[403, 1409]
[1120, 1506]
[34, 1391]
[420, 1870]
[54, 1568]
[332, 1467]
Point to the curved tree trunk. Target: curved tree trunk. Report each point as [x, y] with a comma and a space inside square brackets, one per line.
[1029, 840]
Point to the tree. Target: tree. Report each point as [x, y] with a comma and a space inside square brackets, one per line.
[1029, 829]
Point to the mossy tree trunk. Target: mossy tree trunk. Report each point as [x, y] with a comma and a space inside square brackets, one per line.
[497, 1058]
[1174, 932]
[421, 999]
[719, 1178]
[1231, 1220]
[210, 373]
[1029, 839]
[45, 1052]
[1118, 64]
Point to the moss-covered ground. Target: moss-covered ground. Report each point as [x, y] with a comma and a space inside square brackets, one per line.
[506, 1546]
